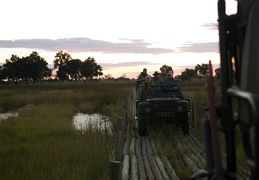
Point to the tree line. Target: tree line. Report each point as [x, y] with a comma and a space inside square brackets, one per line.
[200, 71]
[35, 68]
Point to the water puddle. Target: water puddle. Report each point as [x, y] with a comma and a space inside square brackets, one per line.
[15, 113]
[4, 116]
[84, 121]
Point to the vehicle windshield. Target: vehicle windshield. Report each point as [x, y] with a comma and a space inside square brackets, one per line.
[159, 91]
[160, 88]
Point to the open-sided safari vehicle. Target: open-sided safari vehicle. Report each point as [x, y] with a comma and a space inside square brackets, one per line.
[156, 105]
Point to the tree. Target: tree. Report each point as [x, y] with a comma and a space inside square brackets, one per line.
[38, 67]
[30, 67]
[202, 69]
[3, 73]
[25, 68]
[74, 68]
[168, 68]
[11, 68]
[188, 74]
[60, 62]
[33, 67]
[108, 76]
[90, 68]
[217, 73]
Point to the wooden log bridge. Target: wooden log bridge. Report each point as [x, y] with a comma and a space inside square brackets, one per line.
[142, 159]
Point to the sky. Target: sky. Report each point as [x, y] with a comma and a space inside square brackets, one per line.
[123, 36]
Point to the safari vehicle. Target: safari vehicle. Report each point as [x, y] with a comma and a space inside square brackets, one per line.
[161, 104]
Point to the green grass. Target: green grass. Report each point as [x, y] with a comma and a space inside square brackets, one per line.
[196, 90]
[41, 142]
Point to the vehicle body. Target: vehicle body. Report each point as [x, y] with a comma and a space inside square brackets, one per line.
[161, 104]
[239, 104]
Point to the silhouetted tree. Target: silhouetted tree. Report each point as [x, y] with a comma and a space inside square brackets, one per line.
[32, 67]
[168, 68]
[202, 69]
[3, 73]
[188, 74]
[74, 68]
[60, 62]
[11, 68]
[90, 68]
[37, 67]
[108, 76]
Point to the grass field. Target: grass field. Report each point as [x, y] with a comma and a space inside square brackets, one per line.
[41, 142]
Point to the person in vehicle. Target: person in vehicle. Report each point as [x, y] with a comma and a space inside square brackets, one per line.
[169, 80]
[142, 75]
[170, 84]
[162, 75]
[147, 84]
[155, 82]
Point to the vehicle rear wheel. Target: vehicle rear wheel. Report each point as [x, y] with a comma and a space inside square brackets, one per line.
[185, 125]
[142, 127]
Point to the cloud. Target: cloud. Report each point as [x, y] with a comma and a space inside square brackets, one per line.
[207, 47]
[126, 64]
[211, 26]
[78, 45]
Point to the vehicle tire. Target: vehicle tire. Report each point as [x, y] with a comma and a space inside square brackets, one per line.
[142, 127]
[185, 125]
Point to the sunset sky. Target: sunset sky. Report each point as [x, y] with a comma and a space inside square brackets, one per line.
[123, 36]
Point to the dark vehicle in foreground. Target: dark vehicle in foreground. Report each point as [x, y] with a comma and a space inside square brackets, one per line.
[161, 104]
[238, 108]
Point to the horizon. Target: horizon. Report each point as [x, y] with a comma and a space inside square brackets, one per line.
[133, 75]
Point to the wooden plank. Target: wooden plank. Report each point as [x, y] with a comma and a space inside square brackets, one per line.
[134, 167]
[187, 159]
[138, 146]
[194, 145]
[154, 167]
[190, 163]
[199, 143]
[148, 168]
[149, 149]
[153, 146]
[141, 168]
[126, 146]
[169, 168]
[197, 161]
[125, 168]
[143, 146]
[161, 168]
[132, 146]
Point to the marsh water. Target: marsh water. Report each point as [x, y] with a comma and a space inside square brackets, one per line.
[84, 121]
[80, 121]
[4, 116]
